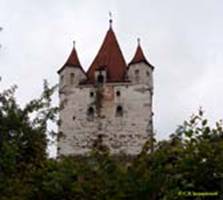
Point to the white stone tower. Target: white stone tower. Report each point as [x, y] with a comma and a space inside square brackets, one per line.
[112, 101]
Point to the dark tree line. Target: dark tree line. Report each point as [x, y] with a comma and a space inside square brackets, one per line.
[191, 160]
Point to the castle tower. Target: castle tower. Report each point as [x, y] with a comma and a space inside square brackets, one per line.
[111, 101]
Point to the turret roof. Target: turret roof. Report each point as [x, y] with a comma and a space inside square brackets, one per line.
[72, 61]
[110, 58]
[139, 56]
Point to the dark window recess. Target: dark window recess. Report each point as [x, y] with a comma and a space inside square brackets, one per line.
[119, 111]
[59, 122]
[118, 93]
[100, 78]
[72, 75]
[91, 94]
[136, 72]
[147, 73]
[62, 79]
[90, 113]
[137, 75]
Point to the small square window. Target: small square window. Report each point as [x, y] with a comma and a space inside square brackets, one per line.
[91, 94]
[137, 72]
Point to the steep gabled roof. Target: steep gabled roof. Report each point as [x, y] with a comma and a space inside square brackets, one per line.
[109, 58]
[72, 61]
[139, 56]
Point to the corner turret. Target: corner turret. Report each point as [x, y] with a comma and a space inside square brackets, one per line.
[139, 69]
[72, 73]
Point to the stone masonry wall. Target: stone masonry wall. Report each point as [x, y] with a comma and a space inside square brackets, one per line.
[122, 134]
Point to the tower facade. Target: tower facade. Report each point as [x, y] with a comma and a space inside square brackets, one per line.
[111, 101]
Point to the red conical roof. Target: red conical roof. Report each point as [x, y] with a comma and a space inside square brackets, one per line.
[139, 56]
[72, 61]
[109, 58]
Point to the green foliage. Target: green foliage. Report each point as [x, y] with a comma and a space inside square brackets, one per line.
[191, 160]
[22, 139]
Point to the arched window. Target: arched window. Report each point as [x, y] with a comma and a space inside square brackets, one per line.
[90, 113]
[91, 94]
[119, 111]
[118, 93]
[100, 78]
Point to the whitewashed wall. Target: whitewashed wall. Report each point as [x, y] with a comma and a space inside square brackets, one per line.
[122, 134]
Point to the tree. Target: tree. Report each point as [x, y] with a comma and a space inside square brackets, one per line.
[191, 160]
[23, 137]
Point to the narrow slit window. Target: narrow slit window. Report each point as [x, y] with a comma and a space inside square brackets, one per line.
[137, 75]
[72, 75]
[62, 79]
[147, 73]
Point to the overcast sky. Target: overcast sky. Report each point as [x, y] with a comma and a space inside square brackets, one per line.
[183, 39]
